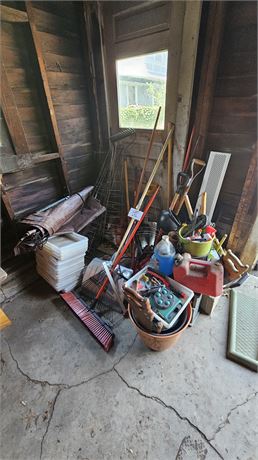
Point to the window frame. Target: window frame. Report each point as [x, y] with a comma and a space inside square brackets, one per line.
[136, 88]
[149, 41]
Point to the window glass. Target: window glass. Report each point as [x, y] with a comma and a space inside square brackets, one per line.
[141, 84]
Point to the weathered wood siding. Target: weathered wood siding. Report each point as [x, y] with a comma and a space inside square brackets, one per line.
[58, 27]
[233, 121]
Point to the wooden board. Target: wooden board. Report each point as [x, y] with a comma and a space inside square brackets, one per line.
[236, 86]
[53, 70]
[55, 24]
[57, 63]
[247, 209]
[244, 122]
[32, 189]
[141, 20]
[59, 45]
[232, 122]
[39, 51]
[12, 116]
[9, 14]
[21, 73]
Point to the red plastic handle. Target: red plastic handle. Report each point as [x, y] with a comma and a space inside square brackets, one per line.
[200, 262]
[204, 270]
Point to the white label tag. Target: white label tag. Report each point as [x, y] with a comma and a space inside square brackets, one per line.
[135, 214]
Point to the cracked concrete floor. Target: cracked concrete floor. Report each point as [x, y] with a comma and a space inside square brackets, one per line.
[65, 398]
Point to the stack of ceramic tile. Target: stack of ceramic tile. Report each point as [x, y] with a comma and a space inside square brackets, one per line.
[61, 260]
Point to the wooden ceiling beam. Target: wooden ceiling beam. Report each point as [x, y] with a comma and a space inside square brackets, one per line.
[43, 72]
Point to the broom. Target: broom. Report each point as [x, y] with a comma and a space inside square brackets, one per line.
[98, 328]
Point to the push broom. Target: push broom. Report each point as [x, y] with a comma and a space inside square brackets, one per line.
[98, 328]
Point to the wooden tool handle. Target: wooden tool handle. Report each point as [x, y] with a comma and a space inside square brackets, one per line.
[147, 186]
[170, 168]
[199, 162]
[204, 203]
[188, 207]
[180, 203]
[138, 191]
[174, 201]
[126, 186]
[236, 260]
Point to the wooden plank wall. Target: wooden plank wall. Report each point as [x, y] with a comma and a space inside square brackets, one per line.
[19, 63]
[233, 120]
[59, 30]
[32, 188]
[60, 34]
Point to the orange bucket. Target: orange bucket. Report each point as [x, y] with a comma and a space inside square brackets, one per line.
[160, 342]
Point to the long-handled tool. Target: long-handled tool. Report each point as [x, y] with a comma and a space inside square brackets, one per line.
[188, 151]
[170, 168]
[119, 256]
[138, 191]
[153, 173]
[184, 182]
[203, 203]
[126, 186]
[98, 328]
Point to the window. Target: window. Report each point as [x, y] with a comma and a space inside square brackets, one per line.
[141, 86]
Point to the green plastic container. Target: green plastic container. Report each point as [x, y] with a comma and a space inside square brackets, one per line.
[195, 248]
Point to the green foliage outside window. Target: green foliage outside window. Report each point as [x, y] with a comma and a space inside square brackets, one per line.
[136, 116]
[142, 116]
[158, 92]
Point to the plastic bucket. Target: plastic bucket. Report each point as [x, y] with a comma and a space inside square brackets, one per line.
[160, 342]
[195, 248]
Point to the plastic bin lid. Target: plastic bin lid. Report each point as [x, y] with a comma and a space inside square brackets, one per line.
[61, 241]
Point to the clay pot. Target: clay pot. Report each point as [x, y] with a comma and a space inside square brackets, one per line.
[160, 342]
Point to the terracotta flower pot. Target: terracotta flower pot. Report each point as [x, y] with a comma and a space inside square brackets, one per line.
[160, 342]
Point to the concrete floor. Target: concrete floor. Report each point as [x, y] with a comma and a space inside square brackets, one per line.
[65, 398]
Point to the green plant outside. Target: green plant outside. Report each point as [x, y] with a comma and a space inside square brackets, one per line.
[141, 117]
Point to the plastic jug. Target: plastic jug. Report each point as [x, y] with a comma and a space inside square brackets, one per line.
[164, 255]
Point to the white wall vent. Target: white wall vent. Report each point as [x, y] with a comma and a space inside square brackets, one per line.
[213, 179]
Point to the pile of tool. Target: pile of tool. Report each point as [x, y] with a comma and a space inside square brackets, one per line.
[183, 268]
[162, 281]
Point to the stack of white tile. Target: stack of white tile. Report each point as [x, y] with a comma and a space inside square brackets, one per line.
[61, 260]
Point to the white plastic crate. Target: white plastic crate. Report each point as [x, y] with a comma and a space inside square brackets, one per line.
[58, 276]
[64, 284]
[61, 260]
[65, 246]
[58, 268]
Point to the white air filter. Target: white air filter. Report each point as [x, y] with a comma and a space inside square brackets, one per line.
[212, 181]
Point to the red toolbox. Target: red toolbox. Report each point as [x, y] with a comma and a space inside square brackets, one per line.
[199, 275]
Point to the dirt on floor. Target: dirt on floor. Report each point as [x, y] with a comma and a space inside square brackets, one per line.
[63, 397]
